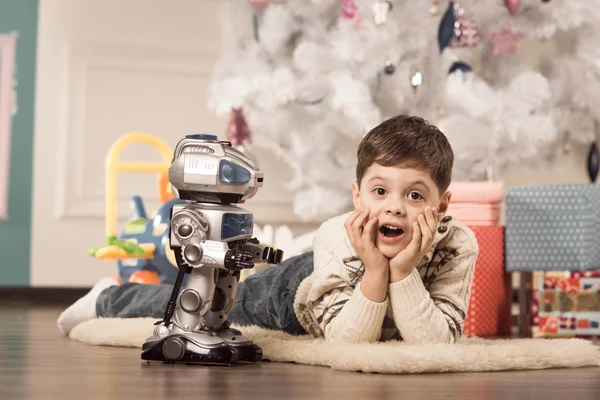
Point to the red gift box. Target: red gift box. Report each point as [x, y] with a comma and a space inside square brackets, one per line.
[489, 312]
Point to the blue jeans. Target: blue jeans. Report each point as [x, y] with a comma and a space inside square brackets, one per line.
[264, 299]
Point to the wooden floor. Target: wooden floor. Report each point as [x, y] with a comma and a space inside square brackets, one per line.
[36, 362]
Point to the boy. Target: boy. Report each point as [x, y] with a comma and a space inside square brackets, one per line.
[395, 268]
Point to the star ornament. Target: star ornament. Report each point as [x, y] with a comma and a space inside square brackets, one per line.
[505, 40]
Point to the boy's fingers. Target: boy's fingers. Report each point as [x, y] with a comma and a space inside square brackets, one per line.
[360, 221]
[352, 218]
[349, 226]
[415, 243]
[425, 232]
[369, 229]
[431, 219]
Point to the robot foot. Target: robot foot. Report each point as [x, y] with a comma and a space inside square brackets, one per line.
[248, 352]
[189, 348]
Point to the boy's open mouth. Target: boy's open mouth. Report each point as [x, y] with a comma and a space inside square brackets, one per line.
[391, 231]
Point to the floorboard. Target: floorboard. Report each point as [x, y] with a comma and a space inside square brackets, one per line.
[37, 362]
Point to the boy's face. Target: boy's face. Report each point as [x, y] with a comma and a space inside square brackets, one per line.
[397, 196]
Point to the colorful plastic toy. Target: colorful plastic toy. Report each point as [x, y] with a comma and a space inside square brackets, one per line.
[142, 250]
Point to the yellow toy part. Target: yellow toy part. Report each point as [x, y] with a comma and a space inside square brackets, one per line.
[113, 165]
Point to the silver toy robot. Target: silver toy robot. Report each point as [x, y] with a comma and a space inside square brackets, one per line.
[212, 241]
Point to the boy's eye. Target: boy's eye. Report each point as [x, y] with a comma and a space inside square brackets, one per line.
[380, 191]
[415, 196]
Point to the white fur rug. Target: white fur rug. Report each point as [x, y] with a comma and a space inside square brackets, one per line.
[390, 357]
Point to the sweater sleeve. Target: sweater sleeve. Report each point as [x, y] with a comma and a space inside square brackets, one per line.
[340, 309]
[436, 315]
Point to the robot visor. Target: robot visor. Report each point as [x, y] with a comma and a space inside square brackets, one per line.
[232, 173]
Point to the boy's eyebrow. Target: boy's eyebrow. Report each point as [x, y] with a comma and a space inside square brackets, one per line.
[413, 183]
[420, 182]
[376, 177]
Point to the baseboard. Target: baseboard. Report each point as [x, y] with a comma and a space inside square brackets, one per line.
[40, 296]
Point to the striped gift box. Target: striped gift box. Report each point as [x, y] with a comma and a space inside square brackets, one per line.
[476, 214]
[485, 192]
[476, 203]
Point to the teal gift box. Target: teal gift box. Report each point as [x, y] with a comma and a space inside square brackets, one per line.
[553, 228]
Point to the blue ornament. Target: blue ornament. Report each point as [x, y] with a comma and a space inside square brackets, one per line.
[446, 28]
[459, 66]
[593, 162]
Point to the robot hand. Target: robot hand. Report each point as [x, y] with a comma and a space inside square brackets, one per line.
[261, 253]
[235, 261]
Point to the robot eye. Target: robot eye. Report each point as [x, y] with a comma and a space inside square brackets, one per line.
[232, 173]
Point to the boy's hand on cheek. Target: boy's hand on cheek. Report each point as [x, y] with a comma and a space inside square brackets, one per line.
[362, 230]
[377, 267]
[424, 230]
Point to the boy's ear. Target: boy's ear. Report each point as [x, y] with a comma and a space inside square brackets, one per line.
[356, 196]
[444, 203]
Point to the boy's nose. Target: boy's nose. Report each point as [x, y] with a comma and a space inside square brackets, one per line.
[394, 209]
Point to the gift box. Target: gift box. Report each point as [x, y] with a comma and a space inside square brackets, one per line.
[478, 192]
[489, 312]
[553, 228]
[476, 203]
[475, 214]
[566, 304]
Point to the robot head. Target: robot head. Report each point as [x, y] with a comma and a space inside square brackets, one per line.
[205, 169]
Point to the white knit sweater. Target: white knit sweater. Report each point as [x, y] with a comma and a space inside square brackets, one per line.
[429, 306]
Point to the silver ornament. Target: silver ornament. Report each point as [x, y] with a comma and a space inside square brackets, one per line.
[381, 10]
[416, 81]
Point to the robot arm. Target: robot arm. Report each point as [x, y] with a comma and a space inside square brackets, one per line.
[217, 255]
[262, 254]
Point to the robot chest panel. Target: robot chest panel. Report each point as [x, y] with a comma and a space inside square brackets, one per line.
[229, 224]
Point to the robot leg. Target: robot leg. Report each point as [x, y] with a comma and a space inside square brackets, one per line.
[216, 320]
[183, 340]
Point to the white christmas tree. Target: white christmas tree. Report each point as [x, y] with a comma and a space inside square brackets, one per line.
[313, 76]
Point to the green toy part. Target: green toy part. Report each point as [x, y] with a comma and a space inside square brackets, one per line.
[128, 246]
[136, 226]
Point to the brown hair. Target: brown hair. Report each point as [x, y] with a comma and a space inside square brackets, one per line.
[410, 142]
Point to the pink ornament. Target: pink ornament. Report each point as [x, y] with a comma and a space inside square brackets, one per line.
[505, 40]
[512, 6]
[238, 132]
[349, 11]
[258, 5]
[465, 34]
